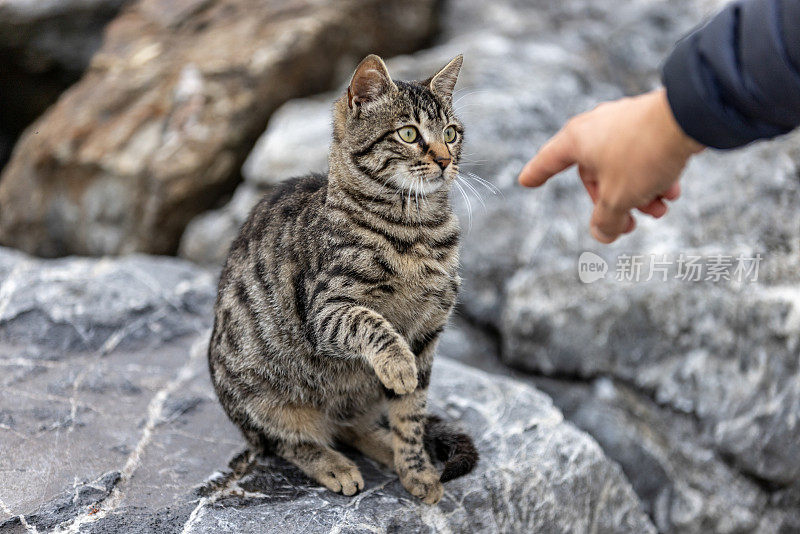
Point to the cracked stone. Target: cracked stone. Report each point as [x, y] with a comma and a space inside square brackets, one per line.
[125, 437]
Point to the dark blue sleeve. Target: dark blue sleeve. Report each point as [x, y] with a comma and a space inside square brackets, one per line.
[737, 78]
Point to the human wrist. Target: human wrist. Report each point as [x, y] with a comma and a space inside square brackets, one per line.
[680, 143]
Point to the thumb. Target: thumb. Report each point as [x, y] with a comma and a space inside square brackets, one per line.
[609, 222]
[555, 156]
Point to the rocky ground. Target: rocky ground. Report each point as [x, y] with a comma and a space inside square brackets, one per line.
[692, 388]
[110, 424]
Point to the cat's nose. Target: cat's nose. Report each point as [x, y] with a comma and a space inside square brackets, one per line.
[442, 161]
[440, 155]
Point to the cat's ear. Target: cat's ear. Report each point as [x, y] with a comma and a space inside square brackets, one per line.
[443, 82]
[370, 80]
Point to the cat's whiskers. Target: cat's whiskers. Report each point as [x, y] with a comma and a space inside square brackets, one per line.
[410, 212]
[468, 94]
[477, 163]
[474, 191]
[466, 199]
[468, 108]
[493, 189]
[398, 190]
[417, 186]
[411, 187]
[486, 183]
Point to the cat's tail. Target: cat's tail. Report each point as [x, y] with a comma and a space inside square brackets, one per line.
[455, 449]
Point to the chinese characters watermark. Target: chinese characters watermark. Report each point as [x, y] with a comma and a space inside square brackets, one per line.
[662, 267]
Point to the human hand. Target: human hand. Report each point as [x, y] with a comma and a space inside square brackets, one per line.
[630, 154]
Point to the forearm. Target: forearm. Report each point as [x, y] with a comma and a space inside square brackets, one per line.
[347, 329]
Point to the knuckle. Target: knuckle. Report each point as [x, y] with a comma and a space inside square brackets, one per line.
[574, 124]
[611, 204]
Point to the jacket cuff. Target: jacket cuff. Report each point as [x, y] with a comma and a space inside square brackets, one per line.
[698, 113]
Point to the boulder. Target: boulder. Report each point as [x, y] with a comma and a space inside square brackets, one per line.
[295, 143]
[208, 236]
[109, 423]
[684, 483]
[156, 130]
[726, 355]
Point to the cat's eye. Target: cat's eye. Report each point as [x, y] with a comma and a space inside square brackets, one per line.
[408, 134]
[449, 134]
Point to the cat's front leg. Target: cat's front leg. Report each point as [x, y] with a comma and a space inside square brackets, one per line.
[354, 329]
[407, 416]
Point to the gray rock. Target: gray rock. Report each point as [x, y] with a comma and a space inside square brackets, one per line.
[289, 147]
[83, 305]
[295, 144]
[725, 355]
[83, 497]
[684, 483]
[117, 431]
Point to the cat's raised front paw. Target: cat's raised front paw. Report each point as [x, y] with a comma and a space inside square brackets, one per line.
[397, 370]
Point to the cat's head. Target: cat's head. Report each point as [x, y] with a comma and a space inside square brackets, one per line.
[402, 135]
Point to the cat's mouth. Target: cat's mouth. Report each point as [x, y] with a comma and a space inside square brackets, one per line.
[432, 182]
[426, 182]
[437, 175]
[436, 179]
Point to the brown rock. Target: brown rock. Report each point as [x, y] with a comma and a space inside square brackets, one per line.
[157, 128]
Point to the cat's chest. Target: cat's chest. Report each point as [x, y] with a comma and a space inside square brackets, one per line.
[422, 288]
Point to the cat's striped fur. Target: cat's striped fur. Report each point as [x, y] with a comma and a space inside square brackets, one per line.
[337, 288]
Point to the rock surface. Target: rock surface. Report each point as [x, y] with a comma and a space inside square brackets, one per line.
[44, 48]
[158, 127]
[62, 34]
[108, 423]
[684, 483]
[694, 387]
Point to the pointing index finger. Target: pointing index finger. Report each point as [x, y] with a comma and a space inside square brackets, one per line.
[555, 156]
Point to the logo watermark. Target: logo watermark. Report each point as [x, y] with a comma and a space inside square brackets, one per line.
[591, 267]
[683, 267]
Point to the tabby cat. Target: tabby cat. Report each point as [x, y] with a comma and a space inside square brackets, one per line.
[336, 289]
